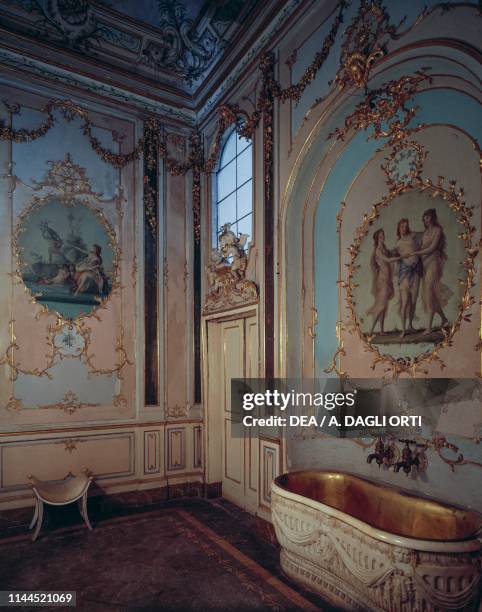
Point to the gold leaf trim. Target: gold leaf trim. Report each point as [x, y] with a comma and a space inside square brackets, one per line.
[69, 404]
[455, 200]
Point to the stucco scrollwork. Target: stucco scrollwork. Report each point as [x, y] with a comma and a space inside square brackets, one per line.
[226, 272]
[364, 43]
[181, 48]
[386, 110]
[73, 22]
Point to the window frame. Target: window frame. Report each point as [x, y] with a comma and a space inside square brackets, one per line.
[215, 202]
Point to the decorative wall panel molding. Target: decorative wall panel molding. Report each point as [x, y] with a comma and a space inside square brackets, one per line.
[387, 141]
[69, 307]
[388, 115]
[72, 280]
[432, 197]
[269, 468]
[176, 448]
[152, 452]
[108, 456]
[197, 447]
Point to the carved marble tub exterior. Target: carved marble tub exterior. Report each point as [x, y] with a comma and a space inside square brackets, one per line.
[364, 546]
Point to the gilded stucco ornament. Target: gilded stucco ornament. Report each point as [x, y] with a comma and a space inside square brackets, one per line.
[62, 272]
[119, 401]
[177, 412]
[65, 184]
[69, 404]
[228, 285]
[67, 178]
[455, 200]
[386, 110]
[438, 442]
[388, 114]
[405, 163]
[15, 366]
[14, 404]
[364, 43]
[69, 111]
[70, 444]
[339, 353]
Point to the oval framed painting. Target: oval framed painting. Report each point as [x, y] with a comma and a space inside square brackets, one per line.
[67, 256]
[410, 274]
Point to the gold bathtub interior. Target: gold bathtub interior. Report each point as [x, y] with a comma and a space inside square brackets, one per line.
[386, 508]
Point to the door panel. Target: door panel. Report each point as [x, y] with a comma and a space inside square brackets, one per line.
[232, 346]
[251, 440]
[239, 359]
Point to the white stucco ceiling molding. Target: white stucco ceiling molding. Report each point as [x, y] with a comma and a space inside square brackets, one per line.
[20, 62]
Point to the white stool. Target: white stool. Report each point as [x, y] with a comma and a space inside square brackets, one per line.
[60, 494]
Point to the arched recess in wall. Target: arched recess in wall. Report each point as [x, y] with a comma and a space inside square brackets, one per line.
[328, 171]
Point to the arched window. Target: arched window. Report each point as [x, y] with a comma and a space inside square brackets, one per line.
[233, 187]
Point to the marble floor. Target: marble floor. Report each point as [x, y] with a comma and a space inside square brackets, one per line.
[189, 554]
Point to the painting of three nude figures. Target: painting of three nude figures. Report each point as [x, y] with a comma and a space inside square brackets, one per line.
[410, 265]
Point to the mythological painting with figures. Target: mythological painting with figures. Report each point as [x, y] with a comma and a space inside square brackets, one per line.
[66, 257]
[407, 288]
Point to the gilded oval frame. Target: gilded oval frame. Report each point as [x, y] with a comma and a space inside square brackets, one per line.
[454, 198]
[111, 239]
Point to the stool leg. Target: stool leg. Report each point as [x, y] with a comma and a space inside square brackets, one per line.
[35, 515]
[83, 510]
[39, 520]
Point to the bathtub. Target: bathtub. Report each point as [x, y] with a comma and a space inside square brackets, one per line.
[367, 546]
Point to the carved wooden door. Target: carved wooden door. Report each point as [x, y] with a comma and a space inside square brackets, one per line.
[239, 348]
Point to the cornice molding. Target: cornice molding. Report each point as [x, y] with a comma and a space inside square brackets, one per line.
[19, 61]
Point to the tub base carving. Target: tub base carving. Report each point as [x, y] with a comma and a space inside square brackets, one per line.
[358, 567]
[324, 582]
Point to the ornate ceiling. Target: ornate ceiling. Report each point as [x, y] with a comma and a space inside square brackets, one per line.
[177, 43]
[152, 12]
